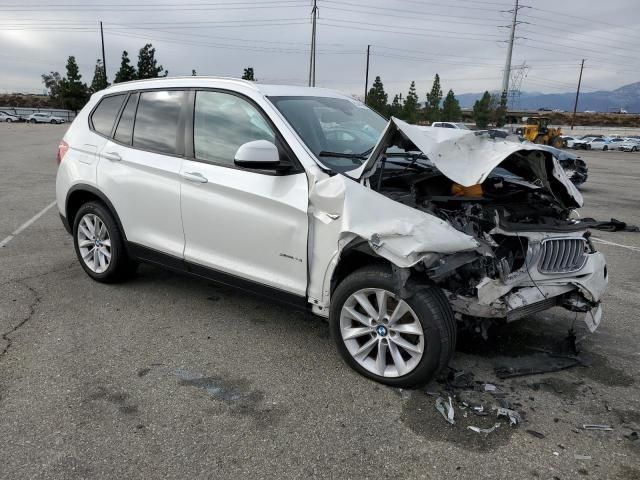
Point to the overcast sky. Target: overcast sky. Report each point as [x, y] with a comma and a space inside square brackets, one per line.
[462, 40]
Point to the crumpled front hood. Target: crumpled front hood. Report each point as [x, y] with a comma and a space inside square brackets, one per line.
[466, 158]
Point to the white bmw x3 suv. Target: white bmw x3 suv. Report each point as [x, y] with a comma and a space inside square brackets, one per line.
[397, 234]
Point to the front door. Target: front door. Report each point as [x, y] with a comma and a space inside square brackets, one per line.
[247, 223]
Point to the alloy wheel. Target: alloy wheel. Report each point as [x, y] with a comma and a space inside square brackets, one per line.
[382, 332]
[94, 243]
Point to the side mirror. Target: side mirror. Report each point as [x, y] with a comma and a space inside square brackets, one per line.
[257, 154]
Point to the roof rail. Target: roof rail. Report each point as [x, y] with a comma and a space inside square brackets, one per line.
[206, 77]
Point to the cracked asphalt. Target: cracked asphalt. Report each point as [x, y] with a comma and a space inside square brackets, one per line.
[171, 377]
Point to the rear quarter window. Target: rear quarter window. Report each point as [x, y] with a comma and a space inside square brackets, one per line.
[104, 116]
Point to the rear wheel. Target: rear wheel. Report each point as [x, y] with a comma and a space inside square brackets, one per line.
[605, 148]
[99, 244]
[9, 120]
[395, 339]
[634, 149]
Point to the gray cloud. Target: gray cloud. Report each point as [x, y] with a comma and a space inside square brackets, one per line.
[462, 40]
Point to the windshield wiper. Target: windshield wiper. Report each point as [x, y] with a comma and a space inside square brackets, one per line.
[358, 156]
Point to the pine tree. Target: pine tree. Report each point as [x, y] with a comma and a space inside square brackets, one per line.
[127, 72]
[395, 109]
[377, 98]
[148, 65]
[410, 107]
[99, 81]
[52, 81]
[482, 111]
[73, 93]
[451, 111]
[248, 74]
[433, 101]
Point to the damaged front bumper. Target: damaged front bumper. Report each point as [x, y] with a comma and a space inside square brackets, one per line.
[532, 289]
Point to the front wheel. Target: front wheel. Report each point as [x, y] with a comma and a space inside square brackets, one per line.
[33, 120]
[605, 148]
[399, 338]
[9, 120]
[634, 149]
[99, 244]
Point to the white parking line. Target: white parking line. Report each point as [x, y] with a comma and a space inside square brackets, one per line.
[26, 224]
[607, 242]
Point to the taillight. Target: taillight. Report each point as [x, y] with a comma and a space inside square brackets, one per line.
[62, 150]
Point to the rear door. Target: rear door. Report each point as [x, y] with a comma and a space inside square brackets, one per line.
[246, 223]
[139, 169]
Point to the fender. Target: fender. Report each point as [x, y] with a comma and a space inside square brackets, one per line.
[83, 187]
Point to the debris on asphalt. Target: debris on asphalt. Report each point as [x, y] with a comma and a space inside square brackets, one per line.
[483, 430]
[446, 409]
[633, 436]
[514, 417]
[510, 367]
[581, 457]
[536, 434]
[488, 387]
[604, 428]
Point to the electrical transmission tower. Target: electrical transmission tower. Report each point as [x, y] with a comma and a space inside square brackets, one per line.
[518, 74]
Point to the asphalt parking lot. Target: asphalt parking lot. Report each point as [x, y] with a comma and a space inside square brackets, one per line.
[171, 377]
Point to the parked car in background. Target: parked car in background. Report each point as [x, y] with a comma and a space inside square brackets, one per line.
[458, 125]
[8, 117]
[583, 143]
[568, 141]
[630, 145]
[601, 143]
[615, 142]
[44, 118]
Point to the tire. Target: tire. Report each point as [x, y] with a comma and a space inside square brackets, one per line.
[587, 147]
[33, 120]
[428, 311]
[634, 149]
[9, 120]
[111, 268]
[605, 148]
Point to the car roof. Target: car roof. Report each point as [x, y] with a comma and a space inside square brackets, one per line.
[225, 82]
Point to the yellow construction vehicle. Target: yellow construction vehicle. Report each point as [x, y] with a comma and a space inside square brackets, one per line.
[537, 130]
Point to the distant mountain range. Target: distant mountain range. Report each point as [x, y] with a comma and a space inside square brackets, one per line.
[626, 97]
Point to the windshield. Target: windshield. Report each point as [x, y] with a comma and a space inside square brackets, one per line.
[345, 128]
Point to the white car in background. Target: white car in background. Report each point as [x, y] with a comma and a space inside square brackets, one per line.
[615, 142]
[629, 145]
[599, 143]
[44, 118]
[458, 125]
[583, 143]
[7, 117]
[568, 141]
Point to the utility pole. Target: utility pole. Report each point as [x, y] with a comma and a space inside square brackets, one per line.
[575, 105]
[104, 64]
[507, 66]
[366, 75]
[312, 59]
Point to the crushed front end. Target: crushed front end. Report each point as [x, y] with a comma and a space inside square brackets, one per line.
[534, 252]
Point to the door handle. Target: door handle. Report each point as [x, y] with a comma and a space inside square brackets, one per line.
[112, 156]
[196, 177]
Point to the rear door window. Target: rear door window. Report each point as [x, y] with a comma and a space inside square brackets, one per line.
[124, 130]
[157, 121]
[104, 116]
